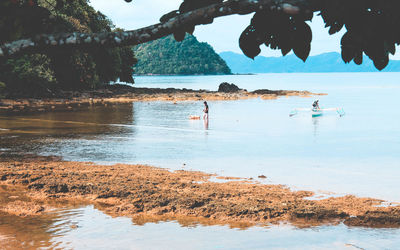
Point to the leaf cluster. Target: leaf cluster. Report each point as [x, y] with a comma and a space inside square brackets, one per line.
[277, 30]
[372, 28]
[60, 68]
[23, 18]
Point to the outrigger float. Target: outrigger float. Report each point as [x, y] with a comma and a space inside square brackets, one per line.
[317, 112]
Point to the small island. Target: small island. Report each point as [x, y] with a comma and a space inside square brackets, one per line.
[169, 57]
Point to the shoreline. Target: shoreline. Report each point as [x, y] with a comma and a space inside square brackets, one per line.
[118, 94]
[149, 194]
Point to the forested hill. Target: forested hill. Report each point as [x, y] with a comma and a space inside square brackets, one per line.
[327, 62]
[189, 57]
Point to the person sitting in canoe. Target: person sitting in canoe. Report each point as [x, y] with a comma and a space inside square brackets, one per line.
[315, 105]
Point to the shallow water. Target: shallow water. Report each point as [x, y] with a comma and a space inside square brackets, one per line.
[357, 153]
[85, 227]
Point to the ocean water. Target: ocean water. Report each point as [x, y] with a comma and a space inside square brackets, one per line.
[354, 154]
[357, 153]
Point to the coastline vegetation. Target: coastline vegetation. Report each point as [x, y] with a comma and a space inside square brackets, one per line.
[59, 68]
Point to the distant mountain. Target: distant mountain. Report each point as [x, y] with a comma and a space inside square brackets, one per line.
[189, 57]
[327, 62]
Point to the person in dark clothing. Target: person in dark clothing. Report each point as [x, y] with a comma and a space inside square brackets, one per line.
[205, 116]
[205, 110]
[315, 105]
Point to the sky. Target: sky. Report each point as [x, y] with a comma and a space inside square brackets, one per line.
[222, 35]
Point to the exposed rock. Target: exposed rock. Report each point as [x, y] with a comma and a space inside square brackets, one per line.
[114, 94]
[228, 87]
[144, 192]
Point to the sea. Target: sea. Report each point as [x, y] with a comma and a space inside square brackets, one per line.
[333, 155]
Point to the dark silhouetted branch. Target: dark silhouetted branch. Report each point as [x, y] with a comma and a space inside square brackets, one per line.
[43, 43]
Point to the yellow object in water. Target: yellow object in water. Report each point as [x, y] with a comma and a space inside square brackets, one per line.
[194, 117]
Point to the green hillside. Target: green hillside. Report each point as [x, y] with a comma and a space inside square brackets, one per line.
[166, 56]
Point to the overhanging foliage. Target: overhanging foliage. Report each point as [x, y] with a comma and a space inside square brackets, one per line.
[279, 24]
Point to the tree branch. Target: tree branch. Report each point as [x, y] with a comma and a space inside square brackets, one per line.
[42, 43]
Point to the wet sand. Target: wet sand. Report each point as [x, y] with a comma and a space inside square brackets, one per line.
[147, 193]
[69, 101]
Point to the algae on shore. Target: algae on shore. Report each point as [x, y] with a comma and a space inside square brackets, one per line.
[149, 194]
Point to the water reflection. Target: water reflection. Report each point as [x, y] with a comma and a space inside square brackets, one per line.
[206, 122]
[29, 133]
[88, 228]
[33, 232]
[315, 121]
[91, 120]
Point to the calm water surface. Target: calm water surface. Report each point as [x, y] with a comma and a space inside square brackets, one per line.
[357, 153]
[88, 228]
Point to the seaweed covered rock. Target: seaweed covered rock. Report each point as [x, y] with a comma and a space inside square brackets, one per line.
[228, 87]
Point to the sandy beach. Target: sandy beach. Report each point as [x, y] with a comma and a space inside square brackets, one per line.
[147, 193]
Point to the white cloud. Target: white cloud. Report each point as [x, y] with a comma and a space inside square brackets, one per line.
[136, 14]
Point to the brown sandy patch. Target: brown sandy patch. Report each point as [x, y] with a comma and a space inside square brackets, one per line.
[23, 208]
[151, 194]
[69, 101]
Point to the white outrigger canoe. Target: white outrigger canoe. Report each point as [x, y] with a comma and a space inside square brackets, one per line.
[317, 112]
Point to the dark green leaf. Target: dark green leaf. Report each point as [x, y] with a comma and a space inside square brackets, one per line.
[381, 63]
[349, 49]
[248, 43]
[302, 50]
[359, 58]
[179, 35]
[190, 29]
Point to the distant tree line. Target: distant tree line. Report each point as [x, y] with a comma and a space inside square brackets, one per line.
[166, 56]
[59, 68]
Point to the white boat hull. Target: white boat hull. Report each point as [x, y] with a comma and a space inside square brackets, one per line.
[315, 113]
